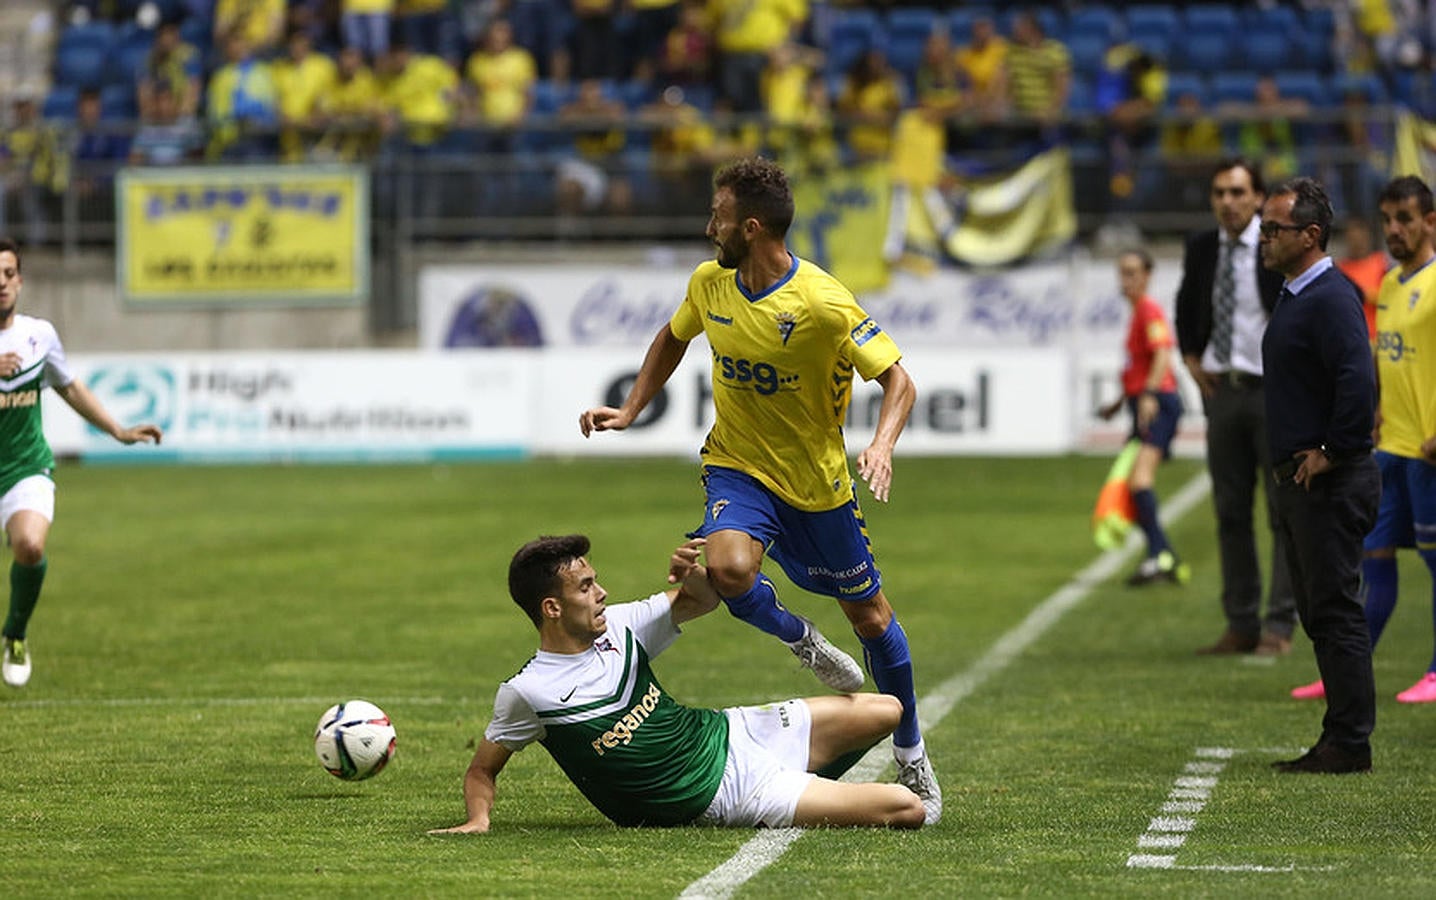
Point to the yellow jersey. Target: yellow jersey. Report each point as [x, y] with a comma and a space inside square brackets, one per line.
[783, 363]
[503, 81]
[1406, 359]
[301, 85]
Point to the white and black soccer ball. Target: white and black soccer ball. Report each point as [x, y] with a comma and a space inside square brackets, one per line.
[354, 740]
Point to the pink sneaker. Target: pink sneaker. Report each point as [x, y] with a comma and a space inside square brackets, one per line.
[1314, 691]
[1423, 691]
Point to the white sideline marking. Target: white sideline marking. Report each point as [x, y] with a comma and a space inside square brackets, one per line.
[210, 701]
[768, 846]
[1189, 795]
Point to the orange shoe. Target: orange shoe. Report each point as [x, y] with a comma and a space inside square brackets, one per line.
[1314, 691]
[1423, 691]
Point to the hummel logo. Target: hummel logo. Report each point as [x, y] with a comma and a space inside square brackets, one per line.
[564, 698]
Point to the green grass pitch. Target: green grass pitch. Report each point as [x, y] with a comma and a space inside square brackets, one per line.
[197, 621]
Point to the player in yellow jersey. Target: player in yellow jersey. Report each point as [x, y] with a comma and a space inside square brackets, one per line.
[1406, 417]
[786, 339]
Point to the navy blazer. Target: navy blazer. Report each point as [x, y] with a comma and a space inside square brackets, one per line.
[1194, 296]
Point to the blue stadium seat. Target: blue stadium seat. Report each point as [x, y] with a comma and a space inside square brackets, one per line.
[1150, 18]
[1204, 51]
[1264, 50]
[1233, 87]
[1369, 86]
[60, 103]
[1155, 46]
[959, 22]
[549, 96]
[1284, 19]
[1082, 98]
[854, 32]
[1096, 20]
[912, 18]
[1048, 17]
[1319, 22]
[118, 102]
[1179, 83]
[1087, 51]
[126, 63]
[1307, 85]
[1212, 16]
[908, 29]
[81, 52]
[79, 67]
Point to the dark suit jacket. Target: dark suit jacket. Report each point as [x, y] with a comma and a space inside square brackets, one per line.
[1194, 296]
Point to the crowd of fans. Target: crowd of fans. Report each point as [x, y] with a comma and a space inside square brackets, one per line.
[607, 88]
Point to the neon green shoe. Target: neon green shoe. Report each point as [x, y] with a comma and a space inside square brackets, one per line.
[16, 664]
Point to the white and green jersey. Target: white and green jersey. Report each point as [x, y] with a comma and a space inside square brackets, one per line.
[637, 754]
[23, 451]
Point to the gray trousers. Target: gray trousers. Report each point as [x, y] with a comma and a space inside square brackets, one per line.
[1237, 455]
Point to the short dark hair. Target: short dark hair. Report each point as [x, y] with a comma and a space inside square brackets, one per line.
[1241, 162]
[534, 570]
[1312, 206]
[1406, 187]
[1142, 255]
[8, 245]
[761, 190]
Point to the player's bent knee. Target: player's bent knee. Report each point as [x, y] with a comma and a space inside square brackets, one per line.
[28, 552]
[731, 580]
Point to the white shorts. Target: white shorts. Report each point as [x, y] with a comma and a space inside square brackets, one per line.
[36, 493]
[592, 180]
[766, 771]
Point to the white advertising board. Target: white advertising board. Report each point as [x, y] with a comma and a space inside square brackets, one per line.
[306, 406]
[968, 402]
[1050, 305]
[406, 405]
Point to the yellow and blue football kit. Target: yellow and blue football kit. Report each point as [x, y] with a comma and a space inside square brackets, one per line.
[1406, 372]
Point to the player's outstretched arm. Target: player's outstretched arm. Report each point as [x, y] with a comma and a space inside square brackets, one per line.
[663, 356]
[479, 787]
[875, 464]
[695, 595]
[82, 401]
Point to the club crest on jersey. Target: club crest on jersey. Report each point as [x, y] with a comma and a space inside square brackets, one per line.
[718, 506]
[786, 323]
[603, 644]
[1411, 304]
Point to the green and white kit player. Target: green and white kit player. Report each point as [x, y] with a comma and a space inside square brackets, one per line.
[32, 359]
[590, 697]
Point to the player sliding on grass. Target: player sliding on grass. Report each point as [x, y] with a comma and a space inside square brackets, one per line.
[589, 696]
[786, 338]
[31, 359]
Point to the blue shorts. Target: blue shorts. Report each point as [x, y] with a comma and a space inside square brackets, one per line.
[1407, 514]
[823, 552]
[1163, 428]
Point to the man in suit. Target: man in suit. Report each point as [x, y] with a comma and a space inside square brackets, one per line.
[1320, 407]
[1223, 304]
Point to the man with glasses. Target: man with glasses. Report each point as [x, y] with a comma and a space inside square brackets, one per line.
[1223, 304]
[1320, 409]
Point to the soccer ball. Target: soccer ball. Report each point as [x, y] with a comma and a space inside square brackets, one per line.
[354, 740]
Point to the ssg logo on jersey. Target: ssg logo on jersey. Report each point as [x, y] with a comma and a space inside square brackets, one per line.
[718, 507]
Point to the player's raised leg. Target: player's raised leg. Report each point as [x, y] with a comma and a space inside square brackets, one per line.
[734, 568]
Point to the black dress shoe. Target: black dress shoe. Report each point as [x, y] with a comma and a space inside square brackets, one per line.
[1327, 759]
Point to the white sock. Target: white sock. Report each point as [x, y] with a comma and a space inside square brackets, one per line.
[906, 755]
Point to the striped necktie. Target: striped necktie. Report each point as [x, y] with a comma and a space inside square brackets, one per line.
[1224, 304]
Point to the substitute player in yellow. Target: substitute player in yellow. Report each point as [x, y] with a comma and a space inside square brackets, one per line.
[786, 338]
[1406, 417]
